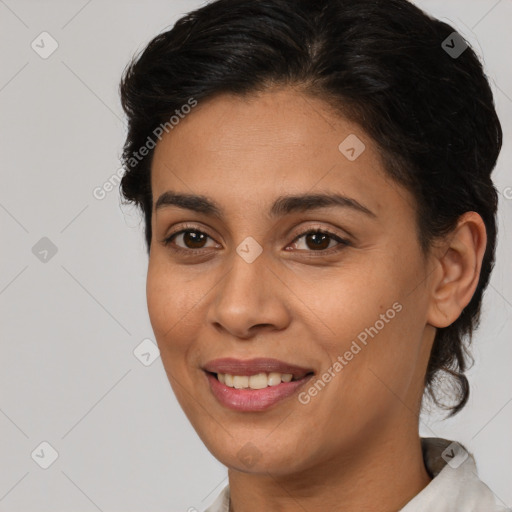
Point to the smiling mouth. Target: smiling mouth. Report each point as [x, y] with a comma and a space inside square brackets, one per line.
[257, 381]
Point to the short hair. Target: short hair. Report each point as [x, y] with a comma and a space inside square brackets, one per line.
[384, 64]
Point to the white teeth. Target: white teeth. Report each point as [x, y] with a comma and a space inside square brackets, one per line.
[240, 381]
[274, 379]
[259, 381]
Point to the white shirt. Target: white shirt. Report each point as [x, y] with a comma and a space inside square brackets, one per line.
[455, 485]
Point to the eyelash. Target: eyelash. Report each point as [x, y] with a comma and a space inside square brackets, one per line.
[342, 242]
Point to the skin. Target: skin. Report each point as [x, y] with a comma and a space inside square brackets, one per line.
[355, 445]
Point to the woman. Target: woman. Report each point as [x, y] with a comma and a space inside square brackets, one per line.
[320, 225]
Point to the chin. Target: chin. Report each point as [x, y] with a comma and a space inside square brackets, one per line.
[254, 454]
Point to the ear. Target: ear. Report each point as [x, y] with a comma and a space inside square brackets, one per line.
[458, 265]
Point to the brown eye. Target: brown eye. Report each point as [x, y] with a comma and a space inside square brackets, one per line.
[318, 241]
[194, 239]
[187, 239]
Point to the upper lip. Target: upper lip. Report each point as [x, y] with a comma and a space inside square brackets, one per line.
[254, 366]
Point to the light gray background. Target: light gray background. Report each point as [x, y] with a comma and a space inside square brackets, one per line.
[68, 374]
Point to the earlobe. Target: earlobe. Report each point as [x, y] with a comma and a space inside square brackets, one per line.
[457, 270]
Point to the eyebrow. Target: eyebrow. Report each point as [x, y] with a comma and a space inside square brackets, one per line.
[283, 205]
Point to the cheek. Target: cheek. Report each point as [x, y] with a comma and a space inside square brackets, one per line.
[172, 308]
[174, 321]
[374, 376]
[170, 297]
[351, 299]
[375, 317]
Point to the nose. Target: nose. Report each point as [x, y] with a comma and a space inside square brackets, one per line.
[249, 299]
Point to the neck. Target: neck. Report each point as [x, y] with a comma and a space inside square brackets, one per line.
[382, 476]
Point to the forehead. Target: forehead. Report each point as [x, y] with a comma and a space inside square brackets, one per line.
[276, 142]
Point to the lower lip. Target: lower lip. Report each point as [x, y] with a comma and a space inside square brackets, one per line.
[253, 399]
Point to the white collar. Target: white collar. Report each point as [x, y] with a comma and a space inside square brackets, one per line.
[455, 485]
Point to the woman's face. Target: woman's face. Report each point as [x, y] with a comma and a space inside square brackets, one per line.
[246, 282]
